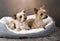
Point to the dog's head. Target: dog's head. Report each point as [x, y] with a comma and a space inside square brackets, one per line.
[41, 13]
[21, 16]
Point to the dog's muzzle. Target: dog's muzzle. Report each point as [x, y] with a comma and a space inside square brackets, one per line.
[45, 17]
[25, 18]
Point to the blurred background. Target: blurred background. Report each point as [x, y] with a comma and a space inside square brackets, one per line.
[10, 7]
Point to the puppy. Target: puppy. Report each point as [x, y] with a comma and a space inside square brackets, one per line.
[38, 21]
[19, 21]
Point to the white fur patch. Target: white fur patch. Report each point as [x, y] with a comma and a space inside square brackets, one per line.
[21, 25]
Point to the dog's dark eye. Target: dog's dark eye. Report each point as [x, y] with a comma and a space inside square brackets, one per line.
[41, 14]
[20, 16]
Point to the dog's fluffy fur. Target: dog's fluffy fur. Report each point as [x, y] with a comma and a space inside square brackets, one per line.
[19, 21]
[38, 21]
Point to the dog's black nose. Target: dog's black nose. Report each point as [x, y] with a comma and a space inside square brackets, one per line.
[25, 18]
[46, 16]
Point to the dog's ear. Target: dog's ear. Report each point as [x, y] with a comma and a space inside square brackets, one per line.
[35, 10]
[24, 11]
[14, 16]
[42, 7]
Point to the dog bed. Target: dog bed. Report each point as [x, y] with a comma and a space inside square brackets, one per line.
[6, 32]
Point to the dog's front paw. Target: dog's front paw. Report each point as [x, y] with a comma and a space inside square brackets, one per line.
[27, 28]
[11, 27]
[18, 29]
[44, 27]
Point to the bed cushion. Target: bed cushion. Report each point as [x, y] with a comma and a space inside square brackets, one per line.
[6, 32]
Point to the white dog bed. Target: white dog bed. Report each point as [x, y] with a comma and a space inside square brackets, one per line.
[6, 32]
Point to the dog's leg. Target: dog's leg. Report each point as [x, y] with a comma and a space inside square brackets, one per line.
[27, 27]
[11, 25]
[29, 23]
[18, 28]
[42, 26]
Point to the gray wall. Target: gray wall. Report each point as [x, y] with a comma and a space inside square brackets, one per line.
[10, 7]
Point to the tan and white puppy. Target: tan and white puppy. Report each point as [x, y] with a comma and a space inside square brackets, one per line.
[38, 21]
[19, 21]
